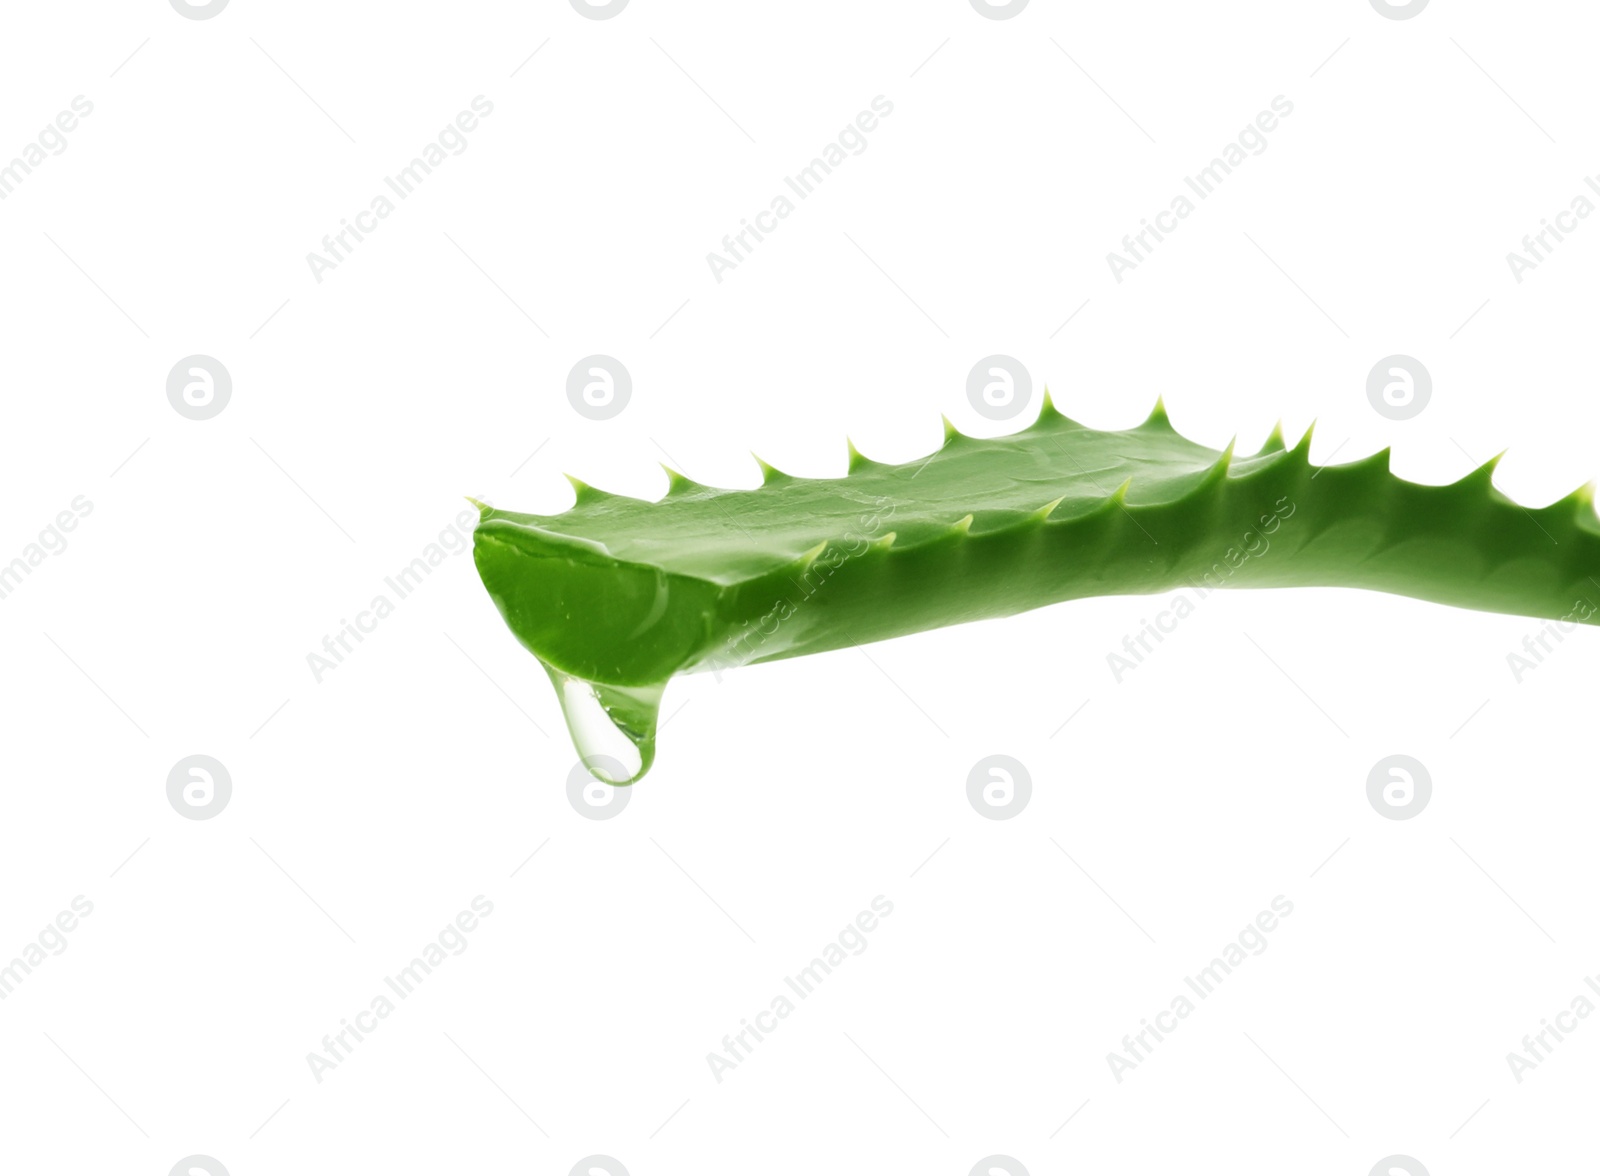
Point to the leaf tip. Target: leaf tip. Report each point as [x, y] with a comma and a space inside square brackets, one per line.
[809, 556]
[769, 473]
[1302, 448]
[1582, 500]
[1044, 512]
[1483, 474]
[1219, 468]
[676, 483]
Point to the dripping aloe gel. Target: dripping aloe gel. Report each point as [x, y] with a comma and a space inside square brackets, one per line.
[617, 595]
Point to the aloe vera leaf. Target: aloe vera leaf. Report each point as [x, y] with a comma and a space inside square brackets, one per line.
[617, 595]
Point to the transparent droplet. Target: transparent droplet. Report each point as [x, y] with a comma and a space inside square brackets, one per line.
[611, 725]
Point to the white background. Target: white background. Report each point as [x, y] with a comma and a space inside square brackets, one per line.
[369, 808]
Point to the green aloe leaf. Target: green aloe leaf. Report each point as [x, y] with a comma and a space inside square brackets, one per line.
[617, 594]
